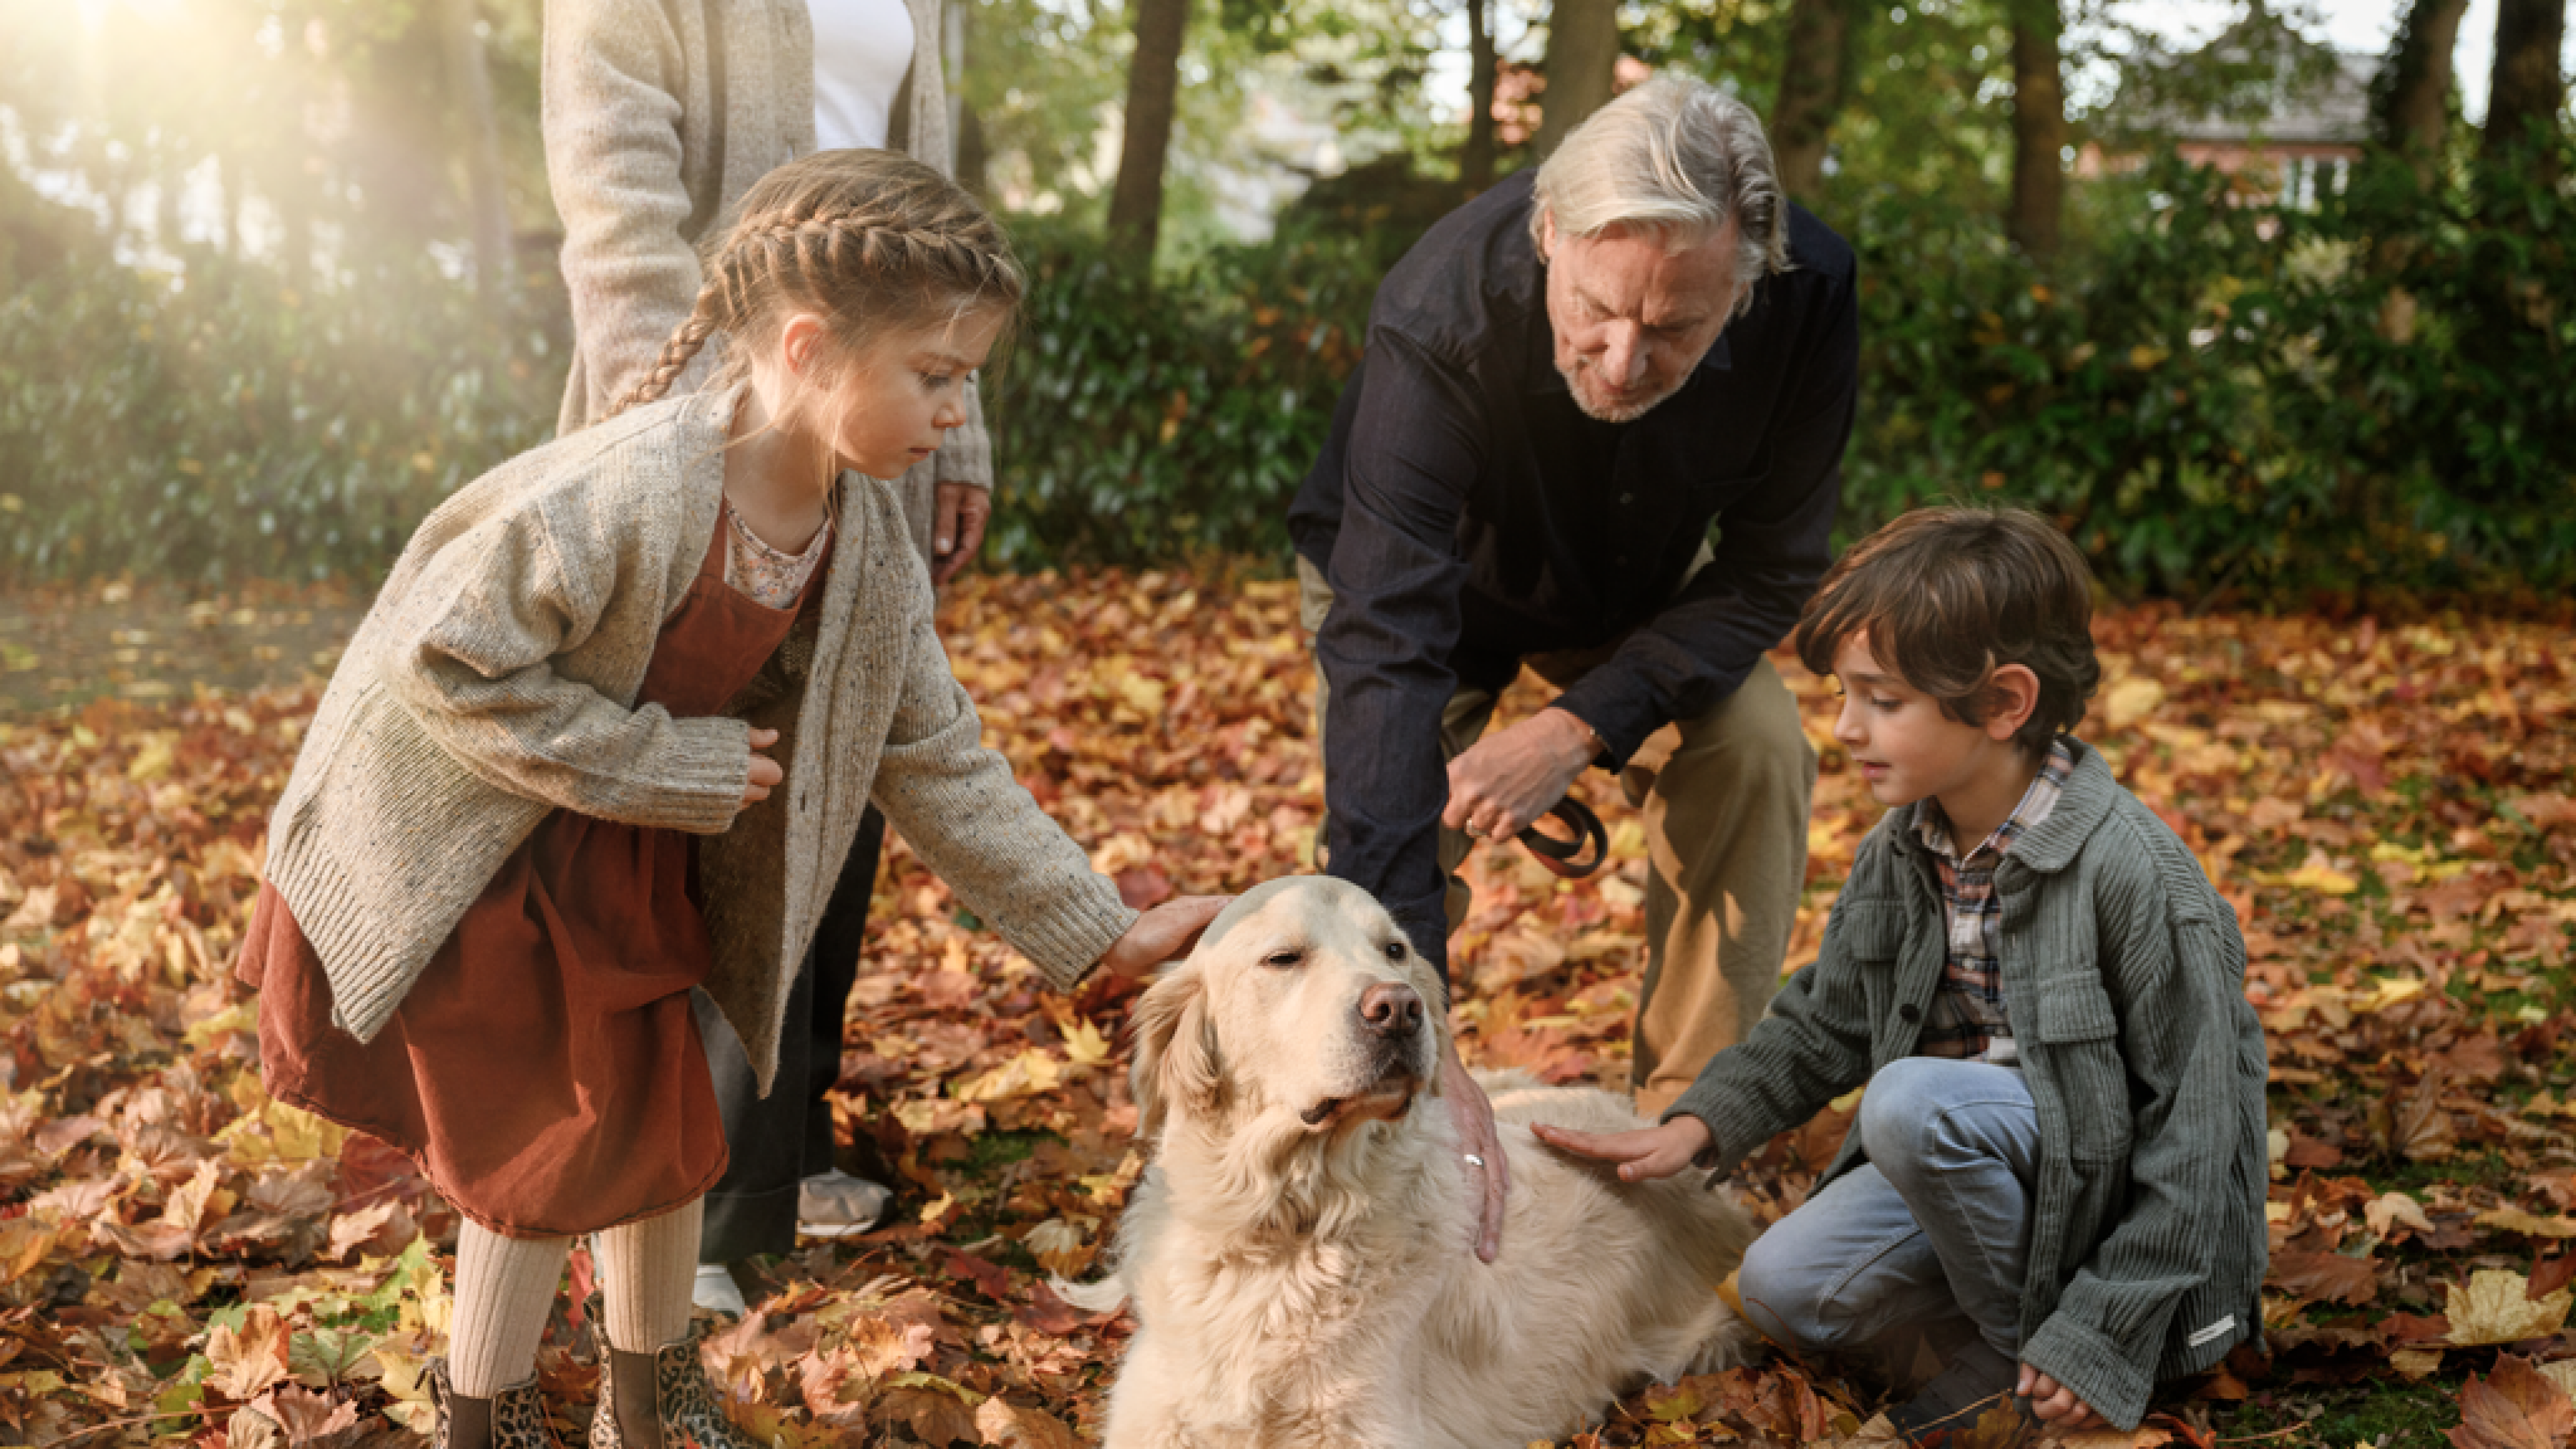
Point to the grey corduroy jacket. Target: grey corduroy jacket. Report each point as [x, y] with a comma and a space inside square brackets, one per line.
[2125, 976]
[658, 115]
[494, 680]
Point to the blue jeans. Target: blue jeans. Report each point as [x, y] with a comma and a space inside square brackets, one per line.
[1924, 1242]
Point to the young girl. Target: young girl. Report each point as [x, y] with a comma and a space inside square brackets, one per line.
[535, 807]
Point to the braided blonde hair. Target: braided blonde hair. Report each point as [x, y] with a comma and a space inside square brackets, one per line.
[874, 242]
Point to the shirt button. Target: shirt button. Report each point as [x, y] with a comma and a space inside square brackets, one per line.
[1621, 560]
[1627, 498]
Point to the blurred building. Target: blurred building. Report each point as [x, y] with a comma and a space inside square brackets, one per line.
[2294, 139]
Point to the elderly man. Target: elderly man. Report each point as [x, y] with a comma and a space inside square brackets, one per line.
[1599, 431]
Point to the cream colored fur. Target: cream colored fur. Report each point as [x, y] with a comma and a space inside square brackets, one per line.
[1302, 1283]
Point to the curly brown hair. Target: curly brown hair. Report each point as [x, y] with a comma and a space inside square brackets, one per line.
[1950, 595]
[873, 242]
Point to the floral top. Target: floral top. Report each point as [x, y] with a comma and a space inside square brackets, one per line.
[767, 576]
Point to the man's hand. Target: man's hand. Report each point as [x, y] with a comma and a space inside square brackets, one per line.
[2054, 1403]
[1473, 1113]
[1161, 934]
[1509, 779]
[957, 521]
[1643, 1155]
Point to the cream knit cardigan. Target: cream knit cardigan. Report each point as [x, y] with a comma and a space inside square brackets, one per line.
[494, 681]
[642, 124]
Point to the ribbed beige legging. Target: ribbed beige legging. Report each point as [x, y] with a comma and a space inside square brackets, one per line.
[506, 1286]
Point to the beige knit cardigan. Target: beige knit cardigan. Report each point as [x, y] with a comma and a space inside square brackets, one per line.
[494, 681]
[649, 145]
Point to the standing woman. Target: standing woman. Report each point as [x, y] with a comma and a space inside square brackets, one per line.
[658, 115]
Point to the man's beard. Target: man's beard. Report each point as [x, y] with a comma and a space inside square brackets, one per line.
[1626, 410]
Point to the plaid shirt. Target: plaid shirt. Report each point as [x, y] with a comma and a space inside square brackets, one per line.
[1968, 1018]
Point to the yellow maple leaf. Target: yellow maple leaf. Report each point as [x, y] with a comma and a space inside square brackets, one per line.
[1025, 1075]
[159, 752]
[2515, 1220]
[2131, 700]
[2416, 1363]
[2494, 1309]
[2321, 878]
[1084, 1043]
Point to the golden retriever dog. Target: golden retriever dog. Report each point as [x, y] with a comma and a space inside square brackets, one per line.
[1299, 1255]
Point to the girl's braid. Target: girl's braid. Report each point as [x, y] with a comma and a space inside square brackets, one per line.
[685, 344]
[859, 248]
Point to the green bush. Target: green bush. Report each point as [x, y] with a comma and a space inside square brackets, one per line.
[2214, 398]
[231, 428]
[2227, 397]
[1138, 421]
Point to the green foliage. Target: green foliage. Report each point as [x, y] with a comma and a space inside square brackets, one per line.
[232, 428]
[1138, 422]
[2225, 395]
[2212, 396]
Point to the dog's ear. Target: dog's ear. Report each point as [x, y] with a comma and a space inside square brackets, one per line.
[1176, 1049]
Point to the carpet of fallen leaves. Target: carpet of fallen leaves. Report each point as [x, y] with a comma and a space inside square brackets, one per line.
[2387, 806]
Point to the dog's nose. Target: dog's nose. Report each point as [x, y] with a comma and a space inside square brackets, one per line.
[1391, 1009]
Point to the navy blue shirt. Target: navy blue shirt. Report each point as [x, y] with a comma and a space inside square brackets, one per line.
[1468, 514]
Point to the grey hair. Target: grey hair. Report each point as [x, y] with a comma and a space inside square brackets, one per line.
[1676, 156]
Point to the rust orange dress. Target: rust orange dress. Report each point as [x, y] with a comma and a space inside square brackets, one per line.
[545, 1071]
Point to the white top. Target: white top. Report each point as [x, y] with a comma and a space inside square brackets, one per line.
[861, 50]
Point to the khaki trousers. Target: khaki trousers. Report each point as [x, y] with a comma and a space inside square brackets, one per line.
[1725, 797]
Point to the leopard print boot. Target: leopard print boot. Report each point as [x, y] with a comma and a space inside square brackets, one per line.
[692, 1417]
[518, 1413]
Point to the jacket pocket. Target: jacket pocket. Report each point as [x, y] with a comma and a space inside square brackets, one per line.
[2079, 1036]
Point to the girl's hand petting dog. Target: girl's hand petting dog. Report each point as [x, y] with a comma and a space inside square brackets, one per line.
[1159, 935]
[1643, 1155]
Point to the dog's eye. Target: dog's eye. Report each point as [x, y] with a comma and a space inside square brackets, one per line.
[1283, 959]
[1395, 950]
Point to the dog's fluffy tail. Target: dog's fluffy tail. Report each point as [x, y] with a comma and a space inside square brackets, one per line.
[1104, 1296]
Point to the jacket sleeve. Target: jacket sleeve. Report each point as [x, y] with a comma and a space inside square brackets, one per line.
[2172, 957]
[472, 661]
[1773, 545]
[957, 804]
[610, 110]
[1416, 445]
[1813, 1046]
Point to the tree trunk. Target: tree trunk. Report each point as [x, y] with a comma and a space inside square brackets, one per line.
[1811, 92]
[2413, 99]
[2526, 92]
[1476, 159]
[1582, 61]
[2039, 130]
[470, 87]
[1153, 91]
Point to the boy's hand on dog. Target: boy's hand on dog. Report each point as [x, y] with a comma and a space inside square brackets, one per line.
[1510, 778]
[1160, 934]
[1643, 1155]
[1473, 1112]
[764, 770]
[2054, 1403]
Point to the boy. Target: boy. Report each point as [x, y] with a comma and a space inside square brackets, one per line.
[2055, 1184]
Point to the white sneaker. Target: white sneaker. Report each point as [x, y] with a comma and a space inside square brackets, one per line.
[716, 1291]
[836, 1205]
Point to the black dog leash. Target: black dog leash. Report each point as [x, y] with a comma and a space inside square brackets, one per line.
[1565, 857]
